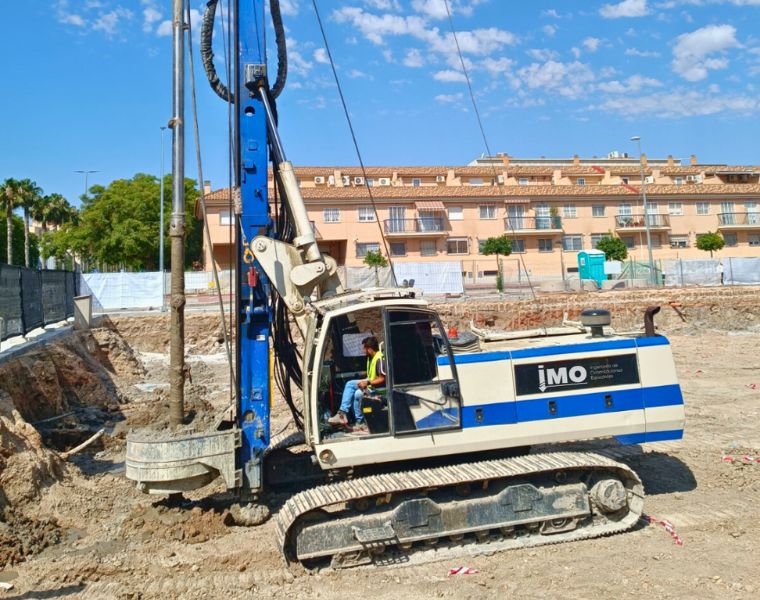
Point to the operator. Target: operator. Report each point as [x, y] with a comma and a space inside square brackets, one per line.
[356, 388]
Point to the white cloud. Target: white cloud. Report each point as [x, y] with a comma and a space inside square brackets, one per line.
[549, 30]
[449, 98]
[436, 9]
[680, 103]
[289, 7]
[164, 29]
[550, 13]
[320, 56]
[591, 44]
[542, 54]
[641, 53]
[497, 66]
[108, 22]
[634, 83]
[413, 58]
[296, 62]
[383, 4]
[376, 27]
[571, 80]
[576, 51]
[626, 8]
[449, 76]
[66, 16]
[356, 74]
[691, 50]
[150, 16]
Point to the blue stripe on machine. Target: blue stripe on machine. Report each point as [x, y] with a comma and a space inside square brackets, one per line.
[650, 436]
[463, 359]
[657, 340]
[577, 405]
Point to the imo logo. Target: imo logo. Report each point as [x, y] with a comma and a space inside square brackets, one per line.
[562, 376]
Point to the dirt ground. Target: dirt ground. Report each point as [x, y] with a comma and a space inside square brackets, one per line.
[92, 535]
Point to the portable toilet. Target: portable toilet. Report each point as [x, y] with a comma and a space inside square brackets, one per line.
[591, 266]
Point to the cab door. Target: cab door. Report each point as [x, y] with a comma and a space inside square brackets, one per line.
[423, 396]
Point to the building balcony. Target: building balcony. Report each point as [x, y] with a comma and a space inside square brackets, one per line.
[419, 227]
[746, 220]
[533, 225]
[637, 223]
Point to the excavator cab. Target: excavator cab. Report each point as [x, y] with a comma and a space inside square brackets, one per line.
[421, 391]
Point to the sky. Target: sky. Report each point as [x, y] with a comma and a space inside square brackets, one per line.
[87, 84]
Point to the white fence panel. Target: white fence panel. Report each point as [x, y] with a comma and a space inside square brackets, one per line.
[432, 277]
[742, 271]
[696, 271]
[123, 290]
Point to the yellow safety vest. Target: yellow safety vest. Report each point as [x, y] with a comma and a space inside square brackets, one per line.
[372, 365]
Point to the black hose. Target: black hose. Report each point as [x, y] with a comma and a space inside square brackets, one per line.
[207, 52]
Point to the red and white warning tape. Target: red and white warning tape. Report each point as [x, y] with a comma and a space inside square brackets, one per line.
[463, 571]
[745, 459]
[752, 386]
[669, 527]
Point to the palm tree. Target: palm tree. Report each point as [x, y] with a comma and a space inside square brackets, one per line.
[30, 192]
[52, 209]
[10, 195]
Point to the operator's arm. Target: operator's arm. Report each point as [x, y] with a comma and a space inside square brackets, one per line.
[378, 380]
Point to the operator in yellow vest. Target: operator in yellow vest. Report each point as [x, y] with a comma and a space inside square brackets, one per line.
[355, 389]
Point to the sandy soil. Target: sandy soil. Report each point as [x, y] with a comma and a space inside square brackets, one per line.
[117, 543]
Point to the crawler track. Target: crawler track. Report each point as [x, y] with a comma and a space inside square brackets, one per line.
[468, 509]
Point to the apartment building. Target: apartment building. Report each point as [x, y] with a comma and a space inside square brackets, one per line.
[550, 208]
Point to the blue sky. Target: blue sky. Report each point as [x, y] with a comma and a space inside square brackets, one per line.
[87, 83]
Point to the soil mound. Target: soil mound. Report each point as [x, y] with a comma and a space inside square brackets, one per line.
[173, 523]
[26, 469]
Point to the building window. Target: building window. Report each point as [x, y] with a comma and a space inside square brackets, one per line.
[487, 211]
[624, 209]
[581, 181]
[398, 248]
[518, 246]
[455, 213]
[427, 248]
[490, 273]
[545, 245]
[366, 214]
[363, 247]
[656, 242]
[679, 241]
[678, 180]
[730, 239]
[225, 218]
[597, 210]
[753, 239]
[457, 246]
[629, 241]
[625, 180]
[703, 208]
[652, 208]
[481, 245]
[675, 209]
[569, 211]
[476, 181]
[331, 215]
[523, 181]
[596, 238]
[572, 243]
[416, 182]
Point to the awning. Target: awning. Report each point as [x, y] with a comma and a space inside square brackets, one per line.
[430, 205]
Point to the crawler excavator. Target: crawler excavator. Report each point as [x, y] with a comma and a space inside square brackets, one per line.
[443, 468]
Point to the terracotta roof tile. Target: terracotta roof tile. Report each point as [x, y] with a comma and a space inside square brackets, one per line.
[731, 169]
[579, 170]
[632, 170]
[680, 171]
[511, 193]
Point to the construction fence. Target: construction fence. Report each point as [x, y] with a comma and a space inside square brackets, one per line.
[711, 271]
[32, 298]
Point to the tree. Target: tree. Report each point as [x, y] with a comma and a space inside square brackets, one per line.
[710, 242]
[29, 194]
[375, 259]
[10, 196]
[52, 209]
[17, 237]
[500, 246]
[613, 247]
[118, 225]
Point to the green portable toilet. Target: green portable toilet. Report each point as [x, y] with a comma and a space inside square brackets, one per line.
[591, 266]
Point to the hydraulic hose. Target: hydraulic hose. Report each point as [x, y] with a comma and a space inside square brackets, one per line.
[207, 52]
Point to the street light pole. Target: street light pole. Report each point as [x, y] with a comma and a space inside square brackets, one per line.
[161, 229]
[85, 173]
[652, 274]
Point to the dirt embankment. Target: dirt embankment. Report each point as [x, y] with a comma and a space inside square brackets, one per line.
[725, 308]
